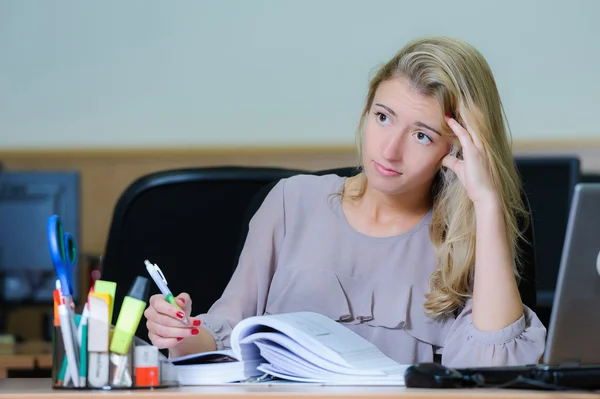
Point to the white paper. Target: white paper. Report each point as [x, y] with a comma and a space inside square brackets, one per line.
[302, 347]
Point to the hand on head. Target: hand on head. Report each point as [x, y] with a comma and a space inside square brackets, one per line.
[473, 170]
[164, 321]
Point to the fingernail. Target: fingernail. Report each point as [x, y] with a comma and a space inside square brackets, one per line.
[180, 315]
[182, 300]
[195, 331]
[196, 323]
[179, 339]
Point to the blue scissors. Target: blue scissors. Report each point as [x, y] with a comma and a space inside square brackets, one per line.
[63, 252]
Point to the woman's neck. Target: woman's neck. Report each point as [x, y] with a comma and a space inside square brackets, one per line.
[383, 207]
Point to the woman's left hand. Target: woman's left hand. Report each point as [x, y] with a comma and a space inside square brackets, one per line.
[472, 170]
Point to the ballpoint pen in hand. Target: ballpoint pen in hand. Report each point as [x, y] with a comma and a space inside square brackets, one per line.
[161, 282]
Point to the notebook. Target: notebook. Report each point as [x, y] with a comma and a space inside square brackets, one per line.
[292, 347]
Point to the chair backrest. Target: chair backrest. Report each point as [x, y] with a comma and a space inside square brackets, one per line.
[548, 183]
[188, 222]
[527, 284]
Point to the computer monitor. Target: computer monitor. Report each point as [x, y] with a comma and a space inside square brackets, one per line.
[548, 183]
[27, 199]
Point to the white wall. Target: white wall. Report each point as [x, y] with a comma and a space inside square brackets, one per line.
[141, 73]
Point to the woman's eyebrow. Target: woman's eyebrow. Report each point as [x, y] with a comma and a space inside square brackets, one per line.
[421, 124]
[388, 109]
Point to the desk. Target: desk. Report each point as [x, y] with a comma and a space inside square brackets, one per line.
[41, 388]
[24, 362]
[28, 356]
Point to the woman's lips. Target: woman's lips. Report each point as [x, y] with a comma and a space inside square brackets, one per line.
[382, 170]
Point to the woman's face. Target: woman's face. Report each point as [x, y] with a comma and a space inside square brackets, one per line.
[402, 145]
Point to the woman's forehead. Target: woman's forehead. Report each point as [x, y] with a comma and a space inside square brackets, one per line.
[401, 98]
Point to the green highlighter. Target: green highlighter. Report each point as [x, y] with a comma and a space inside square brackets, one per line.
[130, 315]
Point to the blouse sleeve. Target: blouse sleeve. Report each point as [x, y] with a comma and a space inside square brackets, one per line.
[520, 343]
[246, 292]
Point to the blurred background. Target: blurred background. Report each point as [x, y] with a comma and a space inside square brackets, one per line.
[94, 95]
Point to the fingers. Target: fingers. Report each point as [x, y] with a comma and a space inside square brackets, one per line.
[450, 162]
[185, 302]
[463, 136]
[468, 139]
[158, 303]
[166, 331]
[152, 315]
[162, 342]
[164, 321]
[476, 140]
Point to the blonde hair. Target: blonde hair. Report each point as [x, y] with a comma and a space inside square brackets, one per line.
[459, 78]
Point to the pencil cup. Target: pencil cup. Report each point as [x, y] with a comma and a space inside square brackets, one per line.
[77, 363]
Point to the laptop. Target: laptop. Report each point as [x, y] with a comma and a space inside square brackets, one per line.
[572, 355]
[574, 331]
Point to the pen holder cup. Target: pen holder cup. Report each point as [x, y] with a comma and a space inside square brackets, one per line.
[143, 367]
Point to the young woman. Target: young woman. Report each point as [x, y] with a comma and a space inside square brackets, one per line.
[417, 253]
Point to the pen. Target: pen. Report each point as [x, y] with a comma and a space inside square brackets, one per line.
[160, 280]
[82, 337]
[68, 338]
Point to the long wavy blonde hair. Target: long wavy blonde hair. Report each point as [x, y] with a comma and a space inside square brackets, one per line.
[456, 75]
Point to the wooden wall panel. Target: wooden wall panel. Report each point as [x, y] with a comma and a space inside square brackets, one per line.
[106, 173]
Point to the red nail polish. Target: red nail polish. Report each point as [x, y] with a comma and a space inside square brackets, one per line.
[196, 323]
[195, 331]
[180, 315]
[179, 339]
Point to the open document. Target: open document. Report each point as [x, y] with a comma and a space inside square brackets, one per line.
[302, 347]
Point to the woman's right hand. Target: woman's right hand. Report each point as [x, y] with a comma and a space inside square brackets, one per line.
[165, 321]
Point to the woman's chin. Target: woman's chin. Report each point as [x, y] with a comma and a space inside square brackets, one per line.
[386, 185]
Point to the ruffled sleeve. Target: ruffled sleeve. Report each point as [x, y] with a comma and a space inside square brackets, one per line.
[520, 343]
[246, 293]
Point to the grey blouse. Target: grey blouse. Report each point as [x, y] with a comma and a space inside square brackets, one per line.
[302, 255]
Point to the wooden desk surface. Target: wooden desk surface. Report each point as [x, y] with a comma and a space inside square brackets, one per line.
[28, 355]
[41, 388]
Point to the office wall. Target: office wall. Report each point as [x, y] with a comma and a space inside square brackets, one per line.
[120, 89]
[141, 73]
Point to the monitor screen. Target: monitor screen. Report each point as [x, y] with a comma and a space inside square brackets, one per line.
[549, 183]
[27, 199]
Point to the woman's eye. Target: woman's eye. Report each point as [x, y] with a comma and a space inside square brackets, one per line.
[423, 138]
[382, 118]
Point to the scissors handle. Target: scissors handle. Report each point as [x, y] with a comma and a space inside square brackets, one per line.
[63, 253]
[70, 258]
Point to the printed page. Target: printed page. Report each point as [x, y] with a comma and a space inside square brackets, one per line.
[282, 344]
[389, 381]
[319, 335]
[286, 363]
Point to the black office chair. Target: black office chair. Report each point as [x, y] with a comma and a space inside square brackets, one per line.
[186, 221]
[548, 183]
[527, 285]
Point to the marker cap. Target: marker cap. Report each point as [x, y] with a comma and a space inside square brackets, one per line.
[140, 289]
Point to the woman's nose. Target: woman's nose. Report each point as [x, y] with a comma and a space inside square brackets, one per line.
[392, 148]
